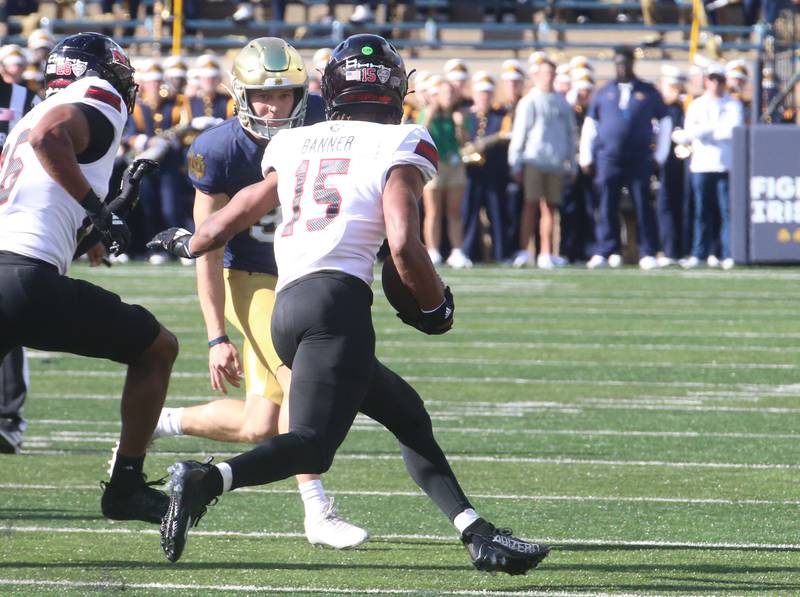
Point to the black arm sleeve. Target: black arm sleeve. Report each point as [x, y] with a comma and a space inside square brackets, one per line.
[102, 134]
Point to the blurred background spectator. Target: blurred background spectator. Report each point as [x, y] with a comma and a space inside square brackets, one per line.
[541, 155]
[710, 120]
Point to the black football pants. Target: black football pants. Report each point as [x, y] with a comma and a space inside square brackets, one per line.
[12, 385]
[322, 330]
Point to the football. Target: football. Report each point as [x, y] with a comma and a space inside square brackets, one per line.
[396, 292]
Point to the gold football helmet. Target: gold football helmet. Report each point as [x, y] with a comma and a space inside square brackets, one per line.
[265, 64]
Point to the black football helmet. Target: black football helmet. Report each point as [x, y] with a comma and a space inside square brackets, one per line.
[364, 73]
[90, 55]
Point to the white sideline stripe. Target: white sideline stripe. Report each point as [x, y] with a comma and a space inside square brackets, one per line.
[549, 406]
[121, 586]
[581, 333]
[494, 459]
[577, 362]
[575, 345]
[364, 424]
[422, 537]
[486, 496]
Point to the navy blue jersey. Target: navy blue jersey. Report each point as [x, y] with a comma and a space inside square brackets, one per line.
[626, 134]
[225, 159]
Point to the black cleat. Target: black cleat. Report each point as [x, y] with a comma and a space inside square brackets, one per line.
[141, 503]
[10, 436]
[496, 550]
[187, 504]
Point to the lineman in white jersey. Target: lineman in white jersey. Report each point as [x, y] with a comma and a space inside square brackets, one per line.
[55, 166]
[343, 186]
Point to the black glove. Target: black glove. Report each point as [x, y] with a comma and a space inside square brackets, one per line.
[118, 237]
[128, 196]
[114, 233]
[438, 321]
[174, 241]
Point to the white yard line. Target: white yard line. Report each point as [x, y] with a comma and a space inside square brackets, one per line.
[365, 424]
[492, 459]
[689, 404]
[486, 496]
[111, 585]
[397, 536]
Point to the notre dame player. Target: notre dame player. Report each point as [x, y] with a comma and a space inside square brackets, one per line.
[237, 283]
[55, 165]
[343, 185]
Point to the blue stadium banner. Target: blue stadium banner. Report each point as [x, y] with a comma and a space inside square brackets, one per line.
[774, 193]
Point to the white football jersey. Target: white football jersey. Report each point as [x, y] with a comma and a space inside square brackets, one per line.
[330, 182]
[38, 218]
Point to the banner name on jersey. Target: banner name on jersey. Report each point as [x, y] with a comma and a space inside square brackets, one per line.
[61, 66]
[366, 72]
[327, 144]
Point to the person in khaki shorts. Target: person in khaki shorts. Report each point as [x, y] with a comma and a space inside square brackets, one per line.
[541, 154]
[443, 195]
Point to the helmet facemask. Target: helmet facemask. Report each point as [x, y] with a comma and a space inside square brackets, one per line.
[261, 126]
[268, 64]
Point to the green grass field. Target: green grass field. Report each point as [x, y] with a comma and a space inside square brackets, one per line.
[646, 425]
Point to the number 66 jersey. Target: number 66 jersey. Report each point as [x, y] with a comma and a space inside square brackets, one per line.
[330, 183]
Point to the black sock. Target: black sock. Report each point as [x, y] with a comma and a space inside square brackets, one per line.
[127, 471]
[213, 482]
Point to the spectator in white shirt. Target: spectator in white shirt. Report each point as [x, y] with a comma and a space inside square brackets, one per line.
[708, 126]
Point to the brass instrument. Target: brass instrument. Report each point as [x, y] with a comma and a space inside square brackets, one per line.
[473, 153]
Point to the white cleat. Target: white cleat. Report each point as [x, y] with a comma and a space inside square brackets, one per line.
[436, 256]
[614, 260]
[597, 262]
[521, 259]
[727, 263]
[690, 262]
[648, 262]
[333, 531]
[713, 261]
[457, 260]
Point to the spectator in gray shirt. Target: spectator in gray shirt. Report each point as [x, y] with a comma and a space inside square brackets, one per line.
[541, 154]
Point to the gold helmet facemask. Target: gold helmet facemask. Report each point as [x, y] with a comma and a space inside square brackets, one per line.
[266, 64]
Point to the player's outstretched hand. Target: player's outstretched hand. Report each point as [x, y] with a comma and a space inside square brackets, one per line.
[128, 196]
[118, 237]
[174, 241]
[438, 321]
[224, 364]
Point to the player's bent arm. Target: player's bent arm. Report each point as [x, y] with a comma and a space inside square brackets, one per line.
[401, 215]
[57, 139]
[245, 208]
[210, 284]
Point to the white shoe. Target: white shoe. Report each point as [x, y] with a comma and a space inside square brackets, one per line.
[521, 259]
[689, 263]
[121, 258]
[665, 261]
[597, 262]
[435, 255]
[728, 263]
[187, 262]
[157, 259]
[334, 531]
[648, 262]
[545, 262]
[361, 14]
[457, 260]
[614, 260]
[558, 260]
[712, 261]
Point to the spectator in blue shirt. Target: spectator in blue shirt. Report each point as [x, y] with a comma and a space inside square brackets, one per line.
[617, 146]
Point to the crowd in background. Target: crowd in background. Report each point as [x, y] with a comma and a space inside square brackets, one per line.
[538, 164]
